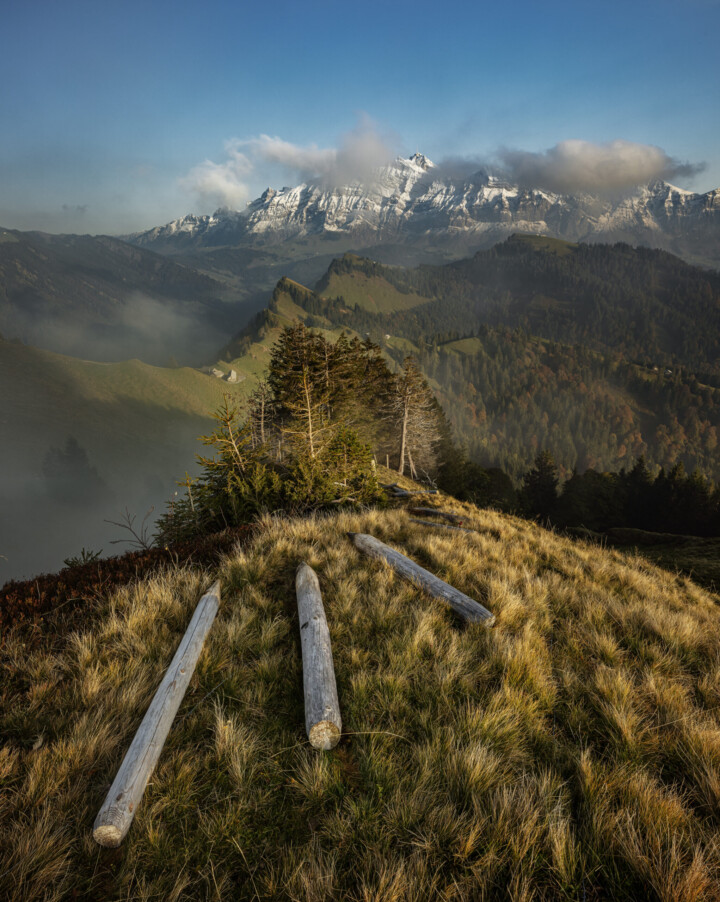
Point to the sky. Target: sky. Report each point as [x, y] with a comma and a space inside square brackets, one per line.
[118, 117]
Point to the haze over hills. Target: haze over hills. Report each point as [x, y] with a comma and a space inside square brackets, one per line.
[83, 441]
[413, 204]
[103, 299]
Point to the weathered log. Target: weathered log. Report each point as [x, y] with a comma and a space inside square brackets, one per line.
[434, 512]
[462, 604]
[118, 810]
[322, 708]
[441, 525]
[396, 490]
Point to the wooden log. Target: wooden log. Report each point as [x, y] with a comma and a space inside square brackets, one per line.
[118, 810]
[441, 525]
[396, 490]
[434, 512]
[462, 604]
[322, 708]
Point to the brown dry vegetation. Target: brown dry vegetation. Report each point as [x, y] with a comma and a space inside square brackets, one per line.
[571, 752]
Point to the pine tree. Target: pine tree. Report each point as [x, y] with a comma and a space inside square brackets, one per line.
[538, 495]
[299, 380]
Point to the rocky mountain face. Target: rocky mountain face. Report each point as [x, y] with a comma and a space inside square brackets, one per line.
[414, 203]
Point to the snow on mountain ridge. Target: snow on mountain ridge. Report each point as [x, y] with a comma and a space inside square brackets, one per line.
[411, 199]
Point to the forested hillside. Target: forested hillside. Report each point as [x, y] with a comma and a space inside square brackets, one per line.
[645, 304]
[510, 395]
[599, 353]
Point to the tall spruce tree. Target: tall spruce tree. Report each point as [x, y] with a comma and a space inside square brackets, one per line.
[299, 380]
[538, 495]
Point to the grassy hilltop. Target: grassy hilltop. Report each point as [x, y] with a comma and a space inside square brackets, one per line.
[570, 752]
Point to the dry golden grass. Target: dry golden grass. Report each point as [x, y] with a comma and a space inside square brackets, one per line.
[571, 752]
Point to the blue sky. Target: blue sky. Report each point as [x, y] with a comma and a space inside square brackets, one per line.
[109, 112]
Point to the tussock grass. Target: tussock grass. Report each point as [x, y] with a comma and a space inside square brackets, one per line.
[571, 752]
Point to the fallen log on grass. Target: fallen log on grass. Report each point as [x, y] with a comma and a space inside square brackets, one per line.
[400, 492]
[397, 491]
[118, 810]
[462, 604]
[434, 512]
[322, 708]
[441, 525]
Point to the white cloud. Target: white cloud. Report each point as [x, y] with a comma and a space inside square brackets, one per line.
[221, 184]
[583, 166]
[358, 154]
[309, 163]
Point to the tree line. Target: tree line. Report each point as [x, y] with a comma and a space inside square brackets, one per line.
[327, 412]
[670, 501]
[311, 436]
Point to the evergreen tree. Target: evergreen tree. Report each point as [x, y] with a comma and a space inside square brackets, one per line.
[538, 495]
[299, 380]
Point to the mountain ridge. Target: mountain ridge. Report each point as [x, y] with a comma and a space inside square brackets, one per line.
[411, 201]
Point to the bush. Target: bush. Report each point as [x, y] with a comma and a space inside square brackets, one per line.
[241, 481]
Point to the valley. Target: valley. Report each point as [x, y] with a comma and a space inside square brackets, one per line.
[536, 344]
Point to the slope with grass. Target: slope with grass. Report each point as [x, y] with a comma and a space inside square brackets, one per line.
[363, 283]
[138, 425]
[570, 752]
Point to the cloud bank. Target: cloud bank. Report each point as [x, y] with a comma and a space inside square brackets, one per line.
[613, 167]
[358, 154]
[221, 184]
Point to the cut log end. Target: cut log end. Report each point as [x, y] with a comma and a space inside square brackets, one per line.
[324, 735]
[108, 835]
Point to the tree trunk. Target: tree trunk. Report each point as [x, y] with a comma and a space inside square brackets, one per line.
[403, 439]
[435, 512]
[441, 525]
[308, 407]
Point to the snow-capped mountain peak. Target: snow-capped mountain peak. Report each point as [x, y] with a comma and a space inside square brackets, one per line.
[419, 159]
[413, 202]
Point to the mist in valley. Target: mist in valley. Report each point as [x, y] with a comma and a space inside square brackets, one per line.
[73, 502]
[159, 332]
[84, 442]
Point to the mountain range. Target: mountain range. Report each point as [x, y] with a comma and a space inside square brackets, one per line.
[412, 204]
[534, 343]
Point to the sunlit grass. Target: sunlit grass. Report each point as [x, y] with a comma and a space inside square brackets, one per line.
[570, 752]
